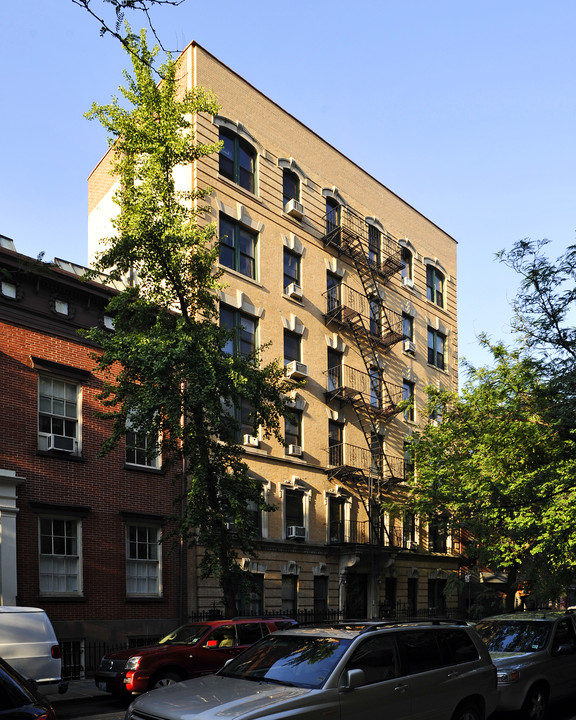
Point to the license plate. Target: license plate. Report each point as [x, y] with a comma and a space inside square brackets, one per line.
[101, 686]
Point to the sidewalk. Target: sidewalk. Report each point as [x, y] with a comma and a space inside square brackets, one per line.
[78, 690]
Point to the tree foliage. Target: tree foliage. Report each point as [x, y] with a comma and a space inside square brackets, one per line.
[498, 465]
[167, 371]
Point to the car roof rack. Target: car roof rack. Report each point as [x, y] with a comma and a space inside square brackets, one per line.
[364, 626]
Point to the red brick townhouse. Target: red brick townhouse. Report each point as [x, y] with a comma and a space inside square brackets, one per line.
[80, 533]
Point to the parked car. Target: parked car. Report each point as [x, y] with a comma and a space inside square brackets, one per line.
[437, 670]
[28, 642]
[18, 699]
[535, 656]
[190, 650]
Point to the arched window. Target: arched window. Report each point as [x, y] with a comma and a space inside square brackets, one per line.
[237, 160]
[290, 186]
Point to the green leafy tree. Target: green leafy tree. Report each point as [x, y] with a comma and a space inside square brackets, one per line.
[544, 319]
[495, 464]
[166, 368]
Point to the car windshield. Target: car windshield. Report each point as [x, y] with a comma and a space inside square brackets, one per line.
[185, 635]
[514, 636]
[289, 660]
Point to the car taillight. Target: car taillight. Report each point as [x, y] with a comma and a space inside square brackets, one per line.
[49, 715]
[55, 650]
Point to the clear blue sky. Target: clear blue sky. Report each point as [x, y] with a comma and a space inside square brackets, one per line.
[464, 108]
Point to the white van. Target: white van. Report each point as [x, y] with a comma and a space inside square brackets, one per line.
[28, 642]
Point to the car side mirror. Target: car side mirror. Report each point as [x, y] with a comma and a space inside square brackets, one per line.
[354, 678]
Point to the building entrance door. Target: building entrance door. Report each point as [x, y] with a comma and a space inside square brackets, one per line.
[356, 606]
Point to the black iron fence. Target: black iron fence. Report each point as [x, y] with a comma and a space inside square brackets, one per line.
[81, 659]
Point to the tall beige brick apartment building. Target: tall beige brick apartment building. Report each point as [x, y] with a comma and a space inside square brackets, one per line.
[356, 291]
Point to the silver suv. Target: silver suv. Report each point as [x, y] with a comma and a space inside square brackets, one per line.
[535, 656]
[435, 670]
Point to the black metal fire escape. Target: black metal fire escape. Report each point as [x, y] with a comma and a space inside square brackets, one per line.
[374, 329]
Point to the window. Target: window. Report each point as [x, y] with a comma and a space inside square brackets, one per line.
[141, 448]
[408, 394]
[335, 445]
[60, 555]
[408, 327]
[376, 452]
[8, 289]
[406, 261]
[436, 596]
[293, 428]
[58, 404]
[375, 387]
[244, 326]
[434, 285]
[334, 369]
[294, 508]
[237, 247]
[61, 307]
[336, 519]
[332, 215]
[374, 245]
[237, 160]
[142, 560]
[292, 347]
[333, 291]
[375, 317]
[409, 529]
[291, 268]
[438, 535]
[290, 186]
[320, 595]
[412, 596]
[408, 461]
[252, 602]
[378, 658]
[289, 593]
[436, 348]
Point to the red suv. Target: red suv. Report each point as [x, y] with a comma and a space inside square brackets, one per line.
[189, 651]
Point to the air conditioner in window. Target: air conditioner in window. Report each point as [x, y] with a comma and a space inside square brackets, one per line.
[409, 346]
[295, 209]
[251, 441]
[408, 282]
[296, 370]
[294, 291]
[295, 450]
[61, 443]
[295, 531]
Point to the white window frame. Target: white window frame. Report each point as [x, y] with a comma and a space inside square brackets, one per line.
[55, 568]
[143, 570]
[43, 437]
[153, 463]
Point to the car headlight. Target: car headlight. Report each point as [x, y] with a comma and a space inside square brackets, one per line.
[133, 662]
[508, 677]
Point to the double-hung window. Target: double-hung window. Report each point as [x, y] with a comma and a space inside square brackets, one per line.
[58, 405]
[59, 561]
[334, 369]
[290, 186]
[143, 577]
[332, 215]
[141, 448]
[434, 285]
[374, 245]
[408, 327]
[406, 264]
[292, 347]
[244, 327]
[436, 348]
[293, 429]
[238, 247]
[291, 269]
[408, 395]
[237, 160]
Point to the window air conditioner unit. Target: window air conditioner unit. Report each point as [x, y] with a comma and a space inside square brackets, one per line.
[294, 291]
[409, 346]
[296, 370]
[251, 441]
[295, 450]
[294, 209]
[61, 442]
[295, 531]
[412, 545]
[408, 282]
